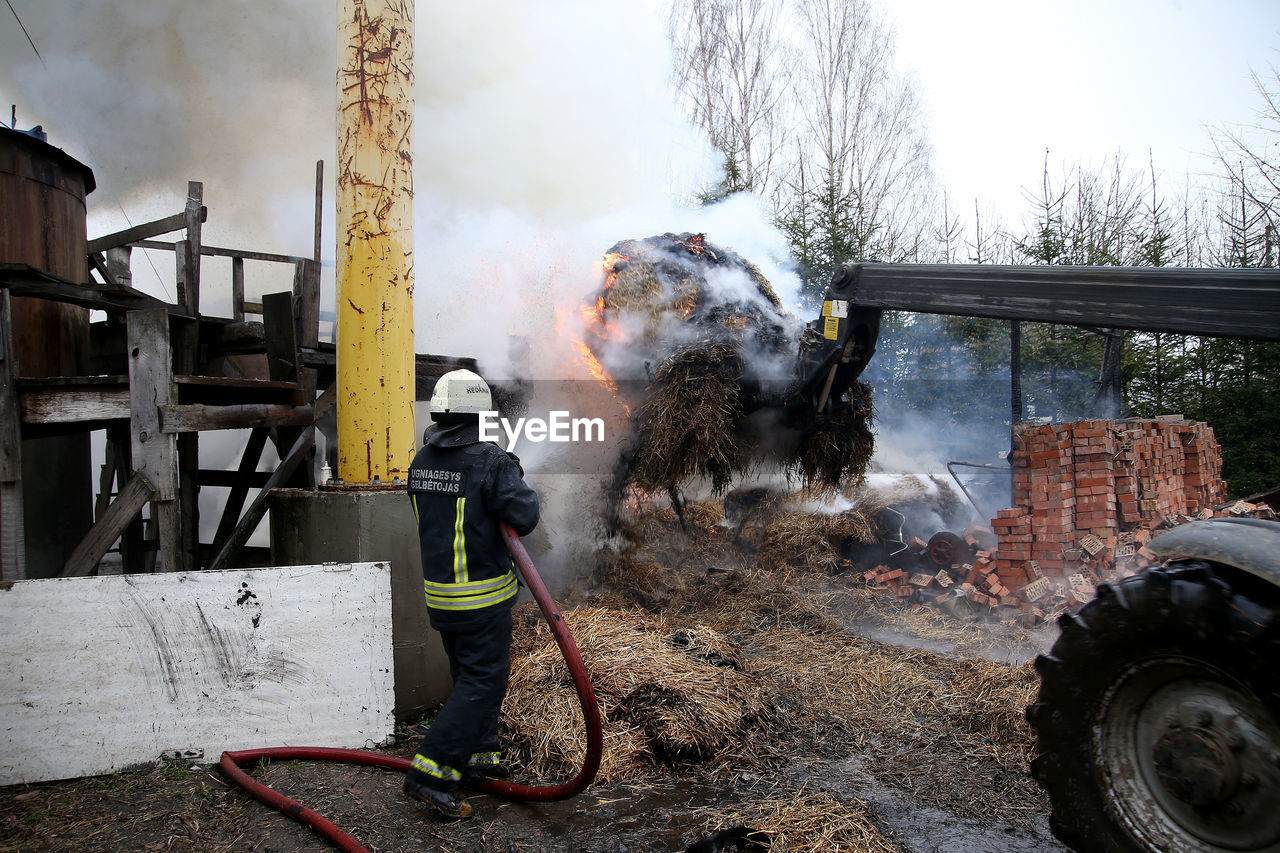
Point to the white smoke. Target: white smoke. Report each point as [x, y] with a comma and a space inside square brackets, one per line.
[544, 133]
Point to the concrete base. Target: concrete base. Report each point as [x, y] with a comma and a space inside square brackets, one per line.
[352, 527]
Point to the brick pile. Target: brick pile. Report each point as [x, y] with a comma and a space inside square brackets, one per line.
[1088, 497]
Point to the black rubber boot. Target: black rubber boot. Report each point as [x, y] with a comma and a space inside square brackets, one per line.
[446, 803]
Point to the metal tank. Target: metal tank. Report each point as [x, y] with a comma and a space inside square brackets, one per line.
[42, 224]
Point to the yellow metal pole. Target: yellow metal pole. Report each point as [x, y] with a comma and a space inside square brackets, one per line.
[375, 240]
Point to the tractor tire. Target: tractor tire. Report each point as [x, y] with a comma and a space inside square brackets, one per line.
[1158, 718]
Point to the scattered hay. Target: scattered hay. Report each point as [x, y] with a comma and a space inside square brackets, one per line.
[809, 823]
[813, 540]
[666, 696]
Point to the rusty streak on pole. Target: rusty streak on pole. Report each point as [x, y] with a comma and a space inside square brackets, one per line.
[375, 240]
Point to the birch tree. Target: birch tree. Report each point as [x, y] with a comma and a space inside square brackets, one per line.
[731, 68]
[867, 176]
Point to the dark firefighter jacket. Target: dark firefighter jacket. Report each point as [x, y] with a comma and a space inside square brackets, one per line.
[461, 487]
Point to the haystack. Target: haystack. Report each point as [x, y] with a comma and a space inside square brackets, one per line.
[703, 333]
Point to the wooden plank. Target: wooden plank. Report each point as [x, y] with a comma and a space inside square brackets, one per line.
[24, 280]
[191, 665]
[198, 417]
[141, 232]
[106, 481]
[13, 556]
[132, 552]
[306, 295]
[301, 451]
[189, 443]
[74, 405]
[189, 497]
[282, 363]
[234, 383]
[150, 389]
[237, 289]
[306, 300]
[222, 252]
[99, 263]
[319, 210]
[219, 479]
[194, 217]
[282, 348]
[85, 558]
[240, 491]
[155, 454]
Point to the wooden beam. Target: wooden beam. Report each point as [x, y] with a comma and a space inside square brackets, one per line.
[74, 405]
[99, 263]
[319, 209]
[109, 528]
[24, 280]
[306, 303]
[219, 479]
[194, 214]
[221, 252]
[282, 361]
[237, 289]
[155, 453]
[13, 555]
[300, 452]
[198, 417]
[281, 339]
[106, 480]
[141, 232]
[132, 552]
[185, 361]
[240, 491]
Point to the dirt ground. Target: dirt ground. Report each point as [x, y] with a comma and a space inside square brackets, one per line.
[940, 764]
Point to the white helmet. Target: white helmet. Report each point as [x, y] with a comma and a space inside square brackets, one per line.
[460, 392]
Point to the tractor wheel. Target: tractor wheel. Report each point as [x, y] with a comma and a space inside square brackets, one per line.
[1158, 719]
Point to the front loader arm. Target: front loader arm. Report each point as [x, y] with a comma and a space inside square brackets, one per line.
[836, 347]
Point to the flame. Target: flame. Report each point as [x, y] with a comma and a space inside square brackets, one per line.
[594, 319]
[594, 367]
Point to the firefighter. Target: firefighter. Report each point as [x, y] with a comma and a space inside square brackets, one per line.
[461, 488]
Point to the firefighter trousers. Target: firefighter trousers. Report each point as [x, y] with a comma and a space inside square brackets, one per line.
[465, 732]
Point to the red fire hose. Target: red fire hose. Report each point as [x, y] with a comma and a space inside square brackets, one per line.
[232, 761]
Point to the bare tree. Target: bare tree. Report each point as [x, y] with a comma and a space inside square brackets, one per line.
[731, 67]
[1250, 159]
[868, 170]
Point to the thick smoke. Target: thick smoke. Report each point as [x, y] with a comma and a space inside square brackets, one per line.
[544, 133]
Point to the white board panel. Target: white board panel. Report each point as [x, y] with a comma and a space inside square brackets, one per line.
[103, 674]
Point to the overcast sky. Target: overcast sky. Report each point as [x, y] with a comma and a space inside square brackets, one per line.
[1004, 79]
[158, 89]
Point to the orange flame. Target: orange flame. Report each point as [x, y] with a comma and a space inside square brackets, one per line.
[594, 316]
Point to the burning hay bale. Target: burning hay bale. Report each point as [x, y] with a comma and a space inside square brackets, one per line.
[703, 335]
[688, 422]
[666, 696]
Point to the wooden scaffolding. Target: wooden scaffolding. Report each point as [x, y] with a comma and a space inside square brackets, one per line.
[164, 373]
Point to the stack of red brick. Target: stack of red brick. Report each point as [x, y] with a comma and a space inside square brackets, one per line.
[1088, 497]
